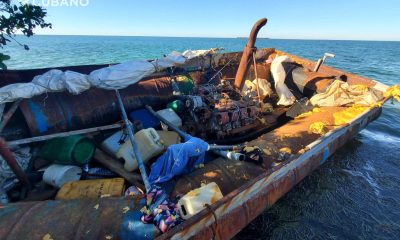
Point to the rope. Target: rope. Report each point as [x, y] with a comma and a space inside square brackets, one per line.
[214, 229]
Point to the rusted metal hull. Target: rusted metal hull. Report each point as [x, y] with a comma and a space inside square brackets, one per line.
[101, 218]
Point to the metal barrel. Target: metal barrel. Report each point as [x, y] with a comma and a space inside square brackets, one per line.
[61, 112]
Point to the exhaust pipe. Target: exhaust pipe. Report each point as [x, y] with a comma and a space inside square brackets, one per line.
[247, 52]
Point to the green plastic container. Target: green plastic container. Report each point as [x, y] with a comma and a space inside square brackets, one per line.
[72, 150]
[178, 106]
[185, 84]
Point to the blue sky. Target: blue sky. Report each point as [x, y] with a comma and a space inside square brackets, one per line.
[307, 19]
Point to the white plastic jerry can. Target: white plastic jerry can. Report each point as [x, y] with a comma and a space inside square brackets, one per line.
[149, 145]
[147, 140]
[195, 200]
[113, 143]
[171, 117]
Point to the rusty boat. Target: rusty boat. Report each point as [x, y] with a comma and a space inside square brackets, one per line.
[291, 146]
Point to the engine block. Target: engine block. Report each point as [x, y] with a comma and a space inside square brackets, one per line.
[219, 111]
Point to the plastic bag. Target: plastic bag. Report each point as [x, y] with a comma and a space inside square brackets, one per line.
[286, 98]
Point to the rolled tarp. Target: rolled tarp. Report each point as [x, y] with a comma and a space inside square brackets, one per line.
[117, 76]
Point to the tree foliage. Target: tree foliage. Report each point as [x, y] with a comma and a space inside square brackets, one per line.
[19, 18]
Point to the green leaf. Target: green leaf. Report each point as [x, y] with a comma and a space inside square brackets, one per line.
[4, 57]
[3, 66]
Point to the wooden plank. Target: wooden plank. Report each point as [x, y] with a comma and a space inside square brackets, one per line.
[116, 167]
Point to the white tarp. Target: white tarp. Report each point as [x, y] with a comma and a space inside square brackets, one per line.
[286, 98]
[114, 77]
[340, 93]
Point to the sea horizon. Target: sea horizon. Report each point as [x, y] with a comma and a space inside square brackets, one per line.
[217, 37]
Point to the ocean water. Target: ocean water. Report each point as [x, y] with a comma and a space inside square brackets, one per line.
[354, 195]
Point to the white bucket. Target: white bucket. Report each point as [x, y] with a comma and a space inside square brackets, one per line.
[171, 117]
[57, 175]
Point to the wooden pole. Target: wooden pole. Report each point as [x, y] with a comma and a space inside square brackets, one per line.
[63, 134]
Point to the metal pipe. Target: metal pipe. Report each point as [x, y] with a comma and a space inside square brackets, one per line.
[247, 51]
[135, 149]
[9, 114]
[230, 155]
[6, 153]
[222, 147]
[63, 134]
[322, 60]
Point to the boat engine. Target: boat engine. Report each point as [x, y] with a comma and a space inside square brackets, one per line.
[219, 111]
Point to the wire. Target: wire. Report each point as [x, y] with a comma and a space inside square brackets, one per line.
[230, 60]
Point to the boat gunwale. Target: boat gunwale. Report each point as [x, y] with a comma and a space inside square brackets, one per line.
[268, 178]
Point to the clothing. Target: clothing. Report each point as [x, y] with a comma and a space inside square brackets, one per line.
[160, 210]
[179, 159]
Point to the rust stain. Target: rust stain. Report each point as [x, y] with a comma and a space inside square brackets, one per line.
[210, 174]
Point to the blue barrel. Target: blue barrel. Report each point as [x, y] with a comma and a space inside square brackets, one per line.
[145, 117]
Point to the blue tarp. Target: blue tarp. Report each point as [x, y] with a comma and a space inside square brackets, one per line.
[178, 159]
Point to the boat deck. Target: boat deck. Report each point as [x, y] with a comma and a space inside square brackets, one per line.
[284, 142]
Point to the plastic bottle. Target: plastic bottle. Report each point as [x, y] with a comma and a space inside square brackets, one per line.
[195, 200]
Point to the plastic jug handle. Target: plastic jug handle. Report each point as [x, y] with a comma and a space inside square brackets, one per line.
[154, 134]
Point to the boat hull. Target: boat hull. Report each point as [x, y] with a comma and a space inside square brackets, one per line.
[102, 218]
